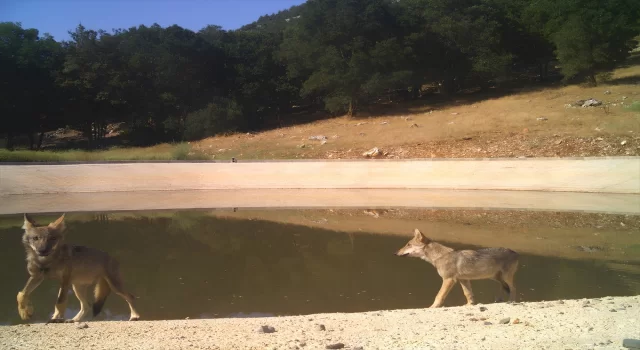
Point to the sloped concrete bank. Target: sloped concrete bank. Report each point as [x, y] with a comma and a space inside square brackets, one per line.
[608, 203]
[601, 175]
[542, 184]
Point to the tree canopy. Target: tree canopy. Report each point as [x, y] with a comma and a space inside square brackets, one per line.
[171, 83]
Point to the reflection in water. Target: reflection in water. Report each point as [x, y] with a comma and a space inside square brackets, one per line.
[194, 265]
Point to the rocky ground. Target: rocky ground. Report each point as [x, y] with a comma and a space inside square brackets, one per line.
[570, 324]
[511, 146]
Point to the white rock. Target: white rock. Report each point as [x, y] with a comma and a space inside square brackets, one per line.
[374, 152]
[318, 137]
[591, 103]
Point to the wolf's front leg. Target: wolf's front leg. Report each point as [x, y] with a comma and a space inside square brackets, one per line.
[25, 308]
[447, 284]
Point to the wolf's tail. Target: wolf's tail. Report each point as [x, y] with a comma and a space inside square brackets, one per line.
[100, 293]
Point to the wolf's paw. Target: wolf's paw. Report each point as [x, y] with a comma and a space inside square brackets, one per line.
[59, 320]
[25, 308]
[25, 312]
[134, 318]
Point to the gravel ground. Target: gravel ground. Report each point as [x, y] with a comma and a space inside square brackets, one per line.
[571, 324]
[506, 146]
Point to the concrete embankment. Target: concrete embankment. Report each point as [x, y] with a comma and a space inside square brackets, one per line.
[589, 184]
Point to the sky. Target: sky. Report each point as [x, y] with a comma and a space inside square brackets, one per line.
[57, 17]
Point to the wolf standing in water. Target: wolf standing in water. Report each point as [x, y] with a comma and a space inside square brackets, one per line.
[75, 267]
[499, 264]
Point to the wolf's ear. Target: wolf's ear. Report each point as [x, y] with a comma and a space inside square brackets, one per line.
[28, 222]
[418, 236]
[58, 225]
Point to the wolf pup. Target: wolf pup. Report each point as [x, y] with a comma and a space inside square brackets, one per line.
[77, 267]
[499, 264]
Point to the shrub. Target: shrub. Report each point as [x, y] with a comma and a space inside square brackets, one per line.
[220, 116]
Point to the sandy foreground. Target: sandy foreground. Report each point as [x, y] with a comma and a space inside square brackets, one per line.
[571, 324]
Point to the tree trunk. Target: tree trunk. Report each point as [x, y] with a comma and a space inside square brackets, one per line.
[544, 70]
[100, 133]
[278, 117]
[415, 92]
[591, 78]
[447, 87]
[32, 141]
[89, 134]
[97, 130]
[484, 84]
[40, 138]
[9, 144]
[94, 130]
[353, 107]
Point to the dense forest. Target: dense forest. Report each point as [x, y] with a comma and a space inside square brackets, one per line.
[173, 84]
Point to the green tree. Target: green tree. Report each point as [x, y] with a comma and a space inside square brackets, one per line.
[260, 83]
[221, 115]
[589, 35]
[91, 81]
[427, 56]
[340, 49]
[171, 72]
[28, 64]
[470, 40]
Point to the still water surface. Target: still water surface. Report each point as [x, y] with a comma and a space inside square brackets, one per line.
[211, 264]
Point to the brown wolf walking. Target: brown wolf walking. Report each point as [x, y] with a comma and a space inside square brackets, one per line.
[499, 264]
[74, 266]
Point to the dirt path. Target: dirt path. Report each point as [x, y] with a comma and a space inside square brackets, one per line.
[572, 324]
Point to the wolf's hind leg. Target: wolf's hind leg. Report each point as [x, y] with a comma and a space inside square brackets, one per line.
[468, 292]
[101, 292]
[508, 278]
[115, 282]
[81, 294]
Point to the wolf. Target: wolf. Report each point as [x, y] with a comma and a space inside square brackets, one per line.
[499, 264]
[75, 267]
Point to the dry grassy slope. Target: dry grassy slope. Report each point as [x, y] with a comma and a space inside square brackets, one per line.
[498, 127]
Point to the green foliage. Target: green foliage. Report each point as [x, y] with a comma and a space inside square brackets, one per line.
[259, 83]
[172, 84]
[35, 156]
[589, 35]
[181, 151]
[28, 95]
[178, 152]
[634, 107]
[343, 50]
[80, 155]
[220, 116]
